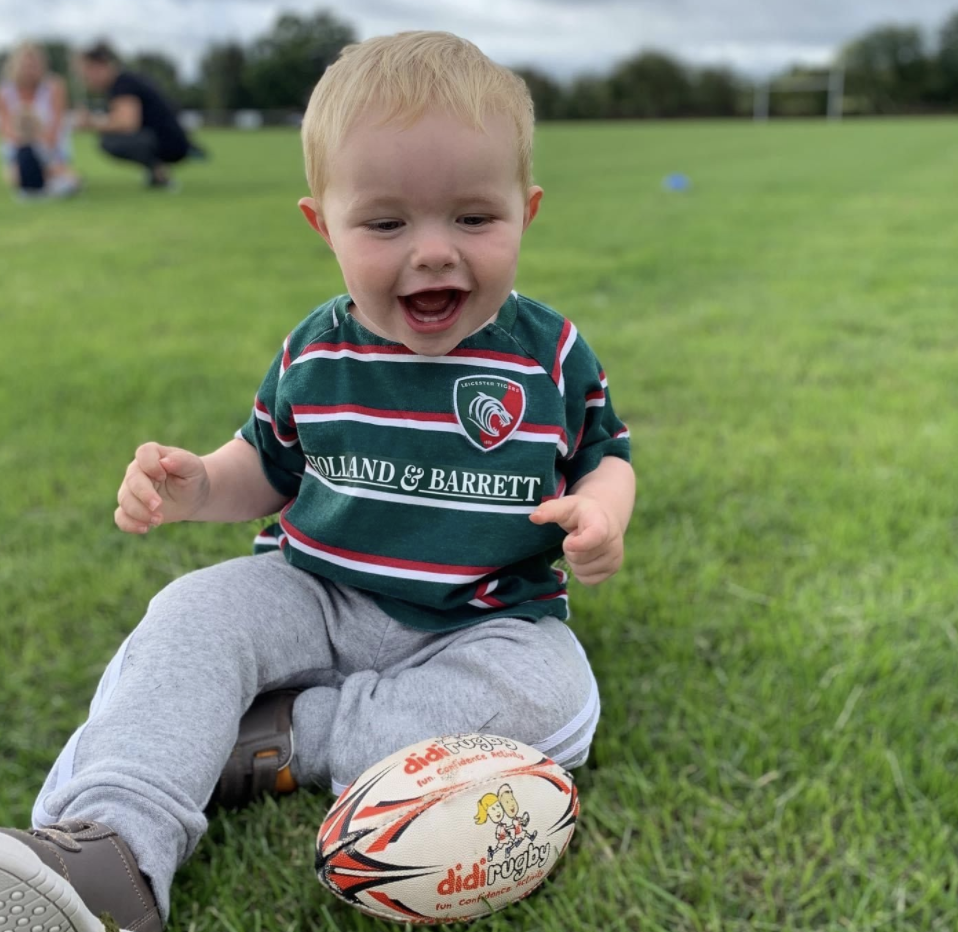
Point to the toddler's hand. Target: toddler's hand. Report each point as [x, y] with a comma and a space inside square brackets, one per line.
[161, 485]
[594, 544]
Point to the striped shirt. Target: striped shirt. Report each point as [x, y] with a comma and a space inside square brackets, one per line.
[413, 477]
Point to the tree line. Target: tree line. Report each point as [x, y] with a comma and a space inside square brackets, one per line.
[889, 69]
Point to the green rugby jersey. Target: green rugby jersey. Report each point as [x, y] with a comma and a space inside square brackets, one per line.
[413, 477]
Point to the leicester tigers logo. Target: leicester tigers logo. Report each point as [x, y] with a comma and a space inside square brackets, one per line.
[489, 408]
[489, 414]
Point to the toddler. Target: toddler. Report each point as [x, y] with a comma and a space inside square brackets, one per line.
[433, 442]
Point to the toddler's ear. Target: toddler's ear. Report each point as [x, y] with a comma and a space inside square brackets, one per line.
[314, 218]
[533, 197]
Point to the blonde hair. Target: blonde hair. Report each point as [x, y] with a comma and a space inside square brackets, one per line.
[490, 799]
[406, 75]
[15, 60]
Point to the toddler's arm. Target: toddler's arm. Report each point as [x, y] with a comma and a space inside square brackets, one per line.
[166, 484]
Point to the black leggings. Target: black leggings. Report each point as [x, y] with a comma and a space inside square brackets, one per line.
[142, 147]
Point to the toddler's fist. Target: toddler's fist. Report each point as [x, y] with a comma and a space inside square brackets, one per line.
[161, 485]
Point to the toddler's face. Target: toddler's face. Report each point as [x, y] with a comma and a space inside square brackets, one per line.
[426, 222]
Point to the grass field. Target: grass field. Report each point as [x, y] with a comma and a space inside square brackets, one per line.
[779, 656]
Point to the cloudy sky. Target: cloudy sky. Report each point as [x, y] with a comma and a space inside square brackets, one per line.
[565, 37]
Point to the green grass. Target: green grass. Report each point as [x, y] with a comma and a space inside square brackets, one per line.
[779, 656]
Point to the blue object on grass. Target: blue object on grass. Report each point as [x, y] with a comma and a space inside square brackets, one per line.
[30, 169]
[676, 182]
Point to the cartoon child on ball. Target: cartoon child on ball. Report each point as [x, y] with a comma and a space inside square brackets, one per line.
[503, 810]
[508, 802]
[490, 809]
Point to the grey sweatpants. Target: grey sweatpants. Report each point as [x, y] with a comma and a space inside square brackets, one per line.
[166, 713]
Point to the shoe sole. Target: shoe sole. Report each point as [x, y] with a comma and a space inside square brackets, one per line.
[34, 898]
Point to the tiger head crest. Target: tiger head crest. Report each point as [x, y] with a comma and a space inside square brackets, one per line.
[489, 408]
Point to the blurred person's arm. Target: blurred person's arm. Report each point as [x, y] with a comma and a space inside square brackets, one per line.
[51, 133]
[125, 116]
[7, 130]
[164, 485]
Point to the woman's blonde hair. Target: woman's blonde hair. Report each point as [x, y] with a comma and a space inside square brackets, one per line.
[16, 57]
[406, 75]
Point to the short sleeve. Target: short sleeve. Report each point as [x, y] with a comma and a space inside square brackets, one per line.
[593, 427]
[272, 431]
[125, 85]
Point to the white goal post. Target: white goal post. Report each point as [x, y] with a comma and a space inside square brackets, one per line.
[833, 83]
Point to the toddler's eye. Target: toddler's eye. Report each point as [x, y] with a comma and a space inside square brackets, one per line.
[384, 226]
[474, 220]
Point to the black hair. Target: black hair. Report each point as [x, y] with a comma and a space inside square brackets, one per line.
[100, 52]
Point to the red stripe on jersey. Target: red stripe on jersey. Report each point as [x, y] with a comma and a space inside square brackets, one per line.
[361, 348]
[620, 433]
[496, 355]
[489, 600]
[578, 440]
[492, 602]
[545, 598]
[287, 362]
[376, 559]
[559, 492]
[261, 407]
[596, 395]
[375, 412]
[563, 337]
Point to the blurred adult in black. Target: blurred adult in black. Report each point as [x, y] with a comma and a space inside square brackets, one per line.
[141, 124]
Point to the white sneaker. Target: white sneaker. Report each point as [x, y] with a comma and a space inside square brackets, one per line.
[63, 186]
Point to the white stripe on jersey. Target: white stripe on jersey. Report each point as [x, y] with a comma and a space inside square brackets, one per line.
[267, 540]
[263, 416]
[542, 438]
[479, 361]
[479, 601]
[378, 569]
[564, 352]
[401, 499]
[446, 427]
[443, 426]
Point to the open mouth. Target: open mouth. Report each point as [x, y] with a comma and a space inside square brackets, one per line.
[433, 311]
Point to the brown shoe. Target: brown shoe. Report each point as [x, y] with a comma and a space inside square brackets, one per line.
[260, 761]
[75, 876]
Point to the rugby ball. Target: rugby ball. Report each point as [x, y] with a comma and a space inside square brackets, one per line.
[447, 829]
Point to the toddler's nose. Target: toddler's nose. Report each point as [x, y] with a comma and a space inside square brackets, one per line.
[435, 254]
